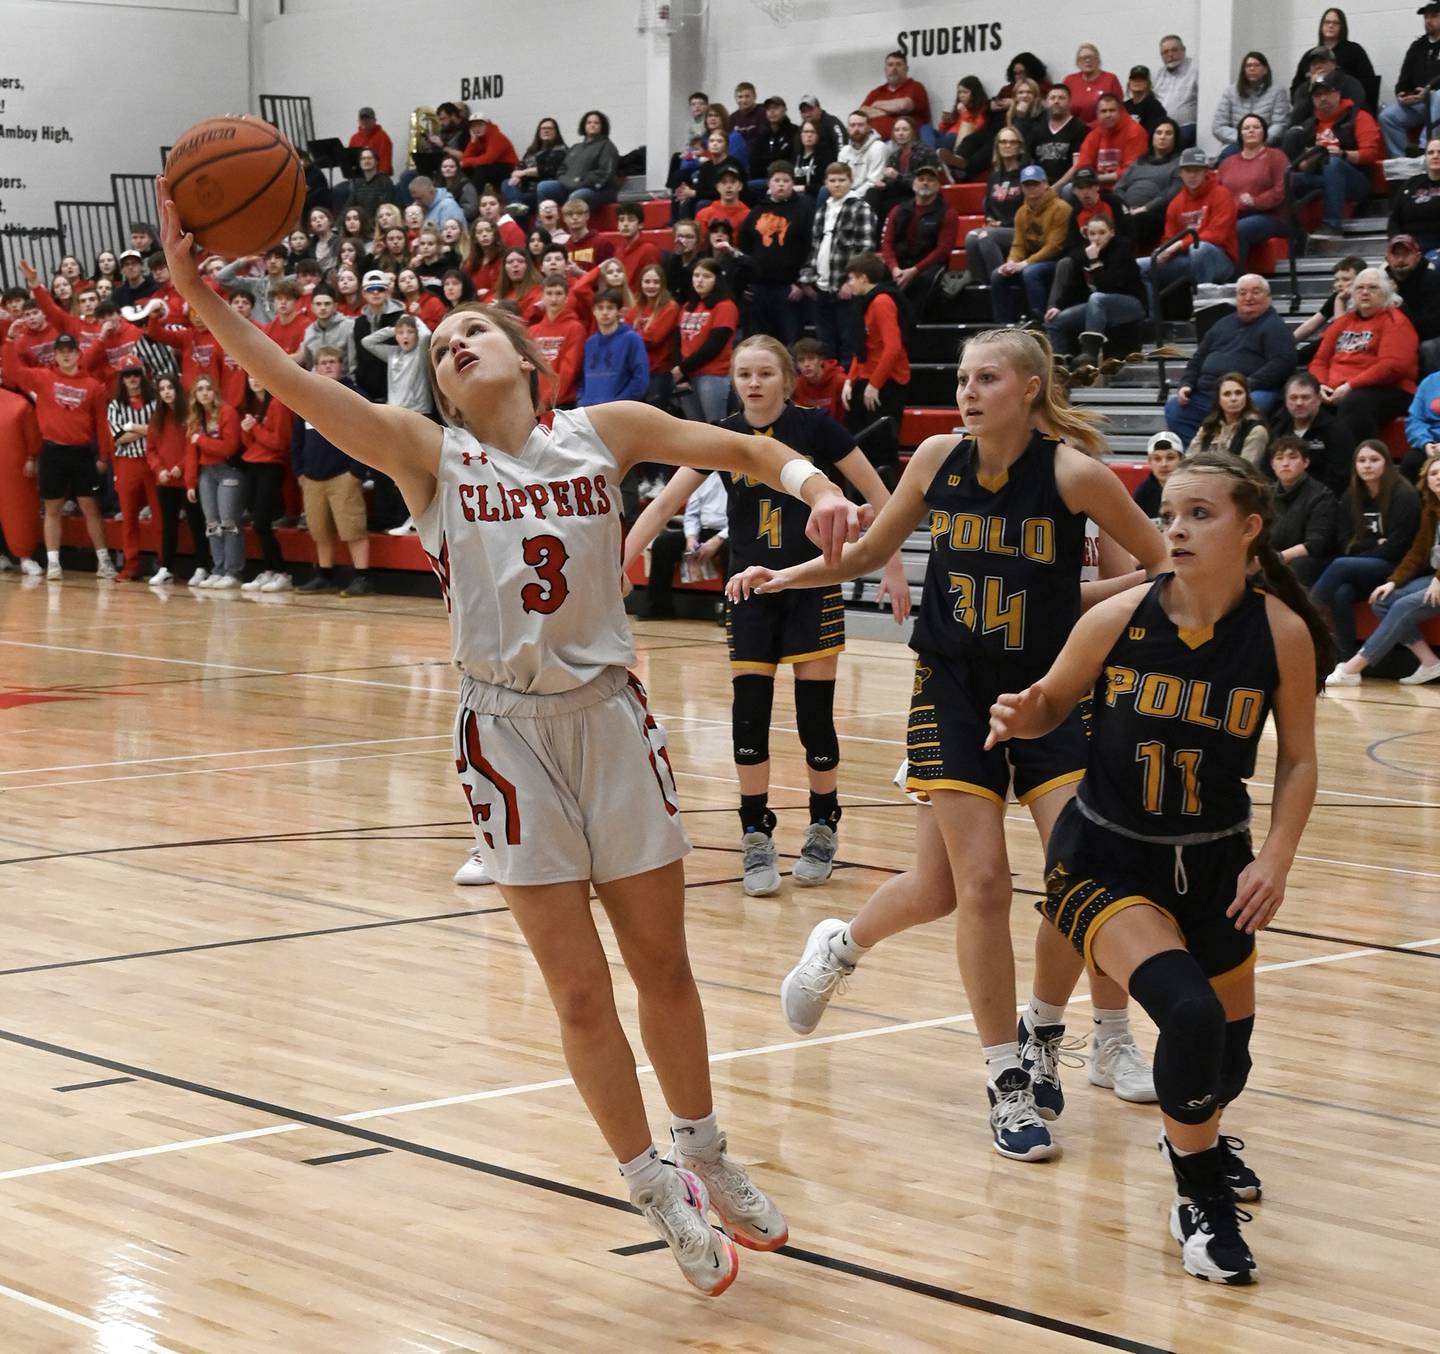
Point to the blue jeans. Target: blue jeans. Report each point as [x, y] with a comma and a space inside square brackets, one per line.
[1034, 280]
[553, 190]
[1250, 230]
[222, 500]
[1345, 582]
[1398, 121]
[832, 326]
[1401, 615]
[1097, 315]
[713, 392]
[512, 194]
[1340, 181]
[1204, 262]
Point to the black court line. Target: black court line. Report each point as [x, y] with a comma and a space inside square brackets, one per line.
[249, 940]
[1343, 1108]
[1357, 944]
[346, 1156]
[94, 1085]
[385, 1140]
[639, 1248]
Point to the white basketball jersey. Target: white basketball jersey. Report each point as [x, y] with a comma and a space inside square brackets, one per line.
[527, 550]
[1090, 560]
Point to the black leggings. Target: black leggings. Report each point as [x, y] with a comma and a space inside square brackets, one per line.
[265, 501]
[173, 502]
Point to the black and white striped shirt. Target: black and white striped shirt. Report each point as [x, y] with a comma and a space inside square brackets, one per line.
[120, 412]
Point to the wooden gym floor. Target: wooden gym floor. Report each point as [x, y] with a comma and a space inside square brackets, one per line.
[270, 1082]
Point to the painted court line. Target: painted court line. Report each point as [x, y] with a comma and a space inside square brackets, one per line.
[115, 1337]
[557, 1083]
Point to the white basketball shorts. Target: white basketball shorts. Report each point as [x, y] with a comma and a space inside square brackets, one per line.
[573, 785]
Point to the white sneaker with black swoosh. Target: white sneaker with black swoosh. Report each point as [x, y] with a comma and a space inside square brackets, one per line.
[676, 1208]
[749, 1215]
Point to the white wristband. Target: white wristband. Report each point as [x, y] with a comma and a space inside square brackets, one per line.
[794, 473]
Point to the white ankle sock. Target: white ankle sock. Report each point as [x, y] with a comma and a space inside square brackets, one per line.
[645, 1172]
[1000, 1058]
[52, 557]
[844, 947]
[694, 1136]
[1108, 1024]
[1040, 1013]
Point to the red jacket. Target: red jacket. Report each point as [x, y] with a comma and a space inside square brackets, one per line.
[590, 252]
[700, 324]
[289, 334]
[736, 214]
[885, 357]
[165, 449]
[824, 393]
[657, 329]
[216, 450]
[268, 442]
[1113, 151]
[428, 307]
[1366, 132]
[19, 502]
[200, 351]
[485, 276]
[69, 409]
[635, 254]
[492, 148]
[84, 331]
[1381, 351]
[34, 348]
[378, 139]
[106, 356]
[562, 344]
[1211, 211]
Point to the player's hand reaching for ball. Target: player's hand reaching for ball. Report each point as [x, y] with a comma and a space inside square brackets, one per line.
[757, 578]
[177, 242]
[1013, 715]
[834, 519]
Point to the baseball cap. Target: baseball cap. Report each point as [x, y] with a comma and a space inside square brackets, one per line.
[813, 100]
[1165, 438]
[729, 172]
[1033, 174]
[929, 171]
[1429, 9]
[376, 279]
[129, 364]
[1143, 72]
[1194, 158]
[132, 254]
[66, 341]
[366, 112]
[1085, 176]
[1324, 82]
[1319, 54]
[478, 116]
[1405, 241]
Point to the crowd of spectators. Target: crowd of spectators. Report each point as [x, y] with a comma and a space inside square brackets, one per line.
[1096, 203]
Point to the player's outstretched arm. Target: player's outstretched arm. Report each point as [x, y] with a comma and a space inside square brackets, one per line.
[857, 469]
[1041, 707]
[636, 432]
[403, 444]
[668, 503]
[1091, 487]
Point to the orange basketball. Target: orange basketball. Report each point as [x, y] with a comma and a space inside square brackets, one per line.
[237, 184]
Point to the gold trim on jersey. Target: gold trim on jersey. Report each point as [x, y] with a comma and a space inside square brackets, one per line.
[1054, 783]
[964, 787]
[997, 484]
[1194, 638]
[1233, 975]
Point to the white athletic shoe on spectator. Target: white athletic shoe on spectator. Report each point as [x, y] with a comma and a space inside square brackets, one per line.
[676, 1208]
[223, 582]
[257, 583]
[197, 579]
[30, 568]
[278, 583]
[808, 987]
[1342, 678]
[1116, 1064]
[1426, 672]
[53, 572]
[406, 528]
[104, 565]
[161, 575]
[473, 870]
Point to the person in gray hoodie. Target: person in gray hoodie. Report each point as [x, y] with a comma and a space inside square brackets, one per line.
[405, 347]
[1148, 184]
[592, 166]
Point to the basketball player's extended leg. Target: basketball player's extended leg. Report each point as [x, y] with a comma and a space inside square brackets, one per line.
[557, 924]
[815, 723]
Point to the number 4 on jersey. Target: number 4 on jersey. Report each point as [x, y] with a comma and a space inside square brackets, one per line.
[996, 612]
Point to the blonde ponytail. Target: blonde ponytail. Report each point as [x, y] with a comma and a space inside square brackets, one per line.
[1052, 411]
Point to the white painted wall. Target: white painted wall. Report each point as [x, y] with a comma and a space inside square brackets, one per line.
[72, 59]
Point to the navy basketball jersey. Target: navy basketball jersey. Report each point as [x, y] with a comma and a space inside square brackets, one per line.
[1178, 716]
[1003, 582]
[766, 526]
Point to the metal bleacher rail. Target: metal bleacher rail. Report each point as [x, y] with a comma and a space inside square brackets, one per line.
[84, 228]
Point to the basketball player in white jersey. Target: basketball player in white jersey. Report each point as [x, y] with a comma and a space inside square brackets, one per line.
[564, 768]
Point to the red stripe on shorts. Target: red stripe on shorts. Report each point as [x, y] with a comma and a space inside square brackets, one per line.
[502, 786]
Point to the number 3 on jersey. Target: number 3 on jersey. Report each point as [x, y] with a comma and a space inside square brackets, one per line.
[997, 613]
[547, 556]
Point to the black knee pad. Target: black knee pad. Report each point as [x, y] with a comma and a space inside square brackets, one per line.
[754, 694]
[1190, 1052]
[1235, 1063]
[815, 722]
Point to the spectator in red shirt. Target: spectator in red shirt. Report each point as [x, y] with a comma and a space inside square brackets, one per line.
[491, 209]
[212, 467]
[1333, 152]
[1087, 83]
[728, 206]
[655, 316]
[19, 459]
[1204, 205]
[876, 384]
[821, 381]
[633, 251]
[117, 343]
[485, 255]
[918, 238]
[373, 136]
[560, 337]
[707, 337]
[585, 247]
[490, 157]
[519, 283]
[899, 94]
[34, 339]
[289, 325]
[266, 432]
[200, 353]
[70, 409]
[1115, 142]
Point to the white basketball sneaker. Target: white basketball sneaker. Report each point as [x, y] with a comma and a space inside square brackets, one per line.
[1118, 1065]
[808, 987]
[749, 1215]
[473, 870]
[676, 1208]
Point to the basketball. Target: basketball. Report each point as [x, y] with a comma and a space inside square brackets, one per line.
[237, 184]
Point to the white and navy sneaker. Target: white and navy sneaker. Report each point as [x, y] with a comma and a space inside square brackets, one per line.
[1116, 1064]
[1015, 1124]
[1040, 1057]
[748, 1214]
[817, 855]
[473, 870]
[676, 1208]
[808, 987]
[1205, 1221]
[1244, 1183]
[761, 867]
